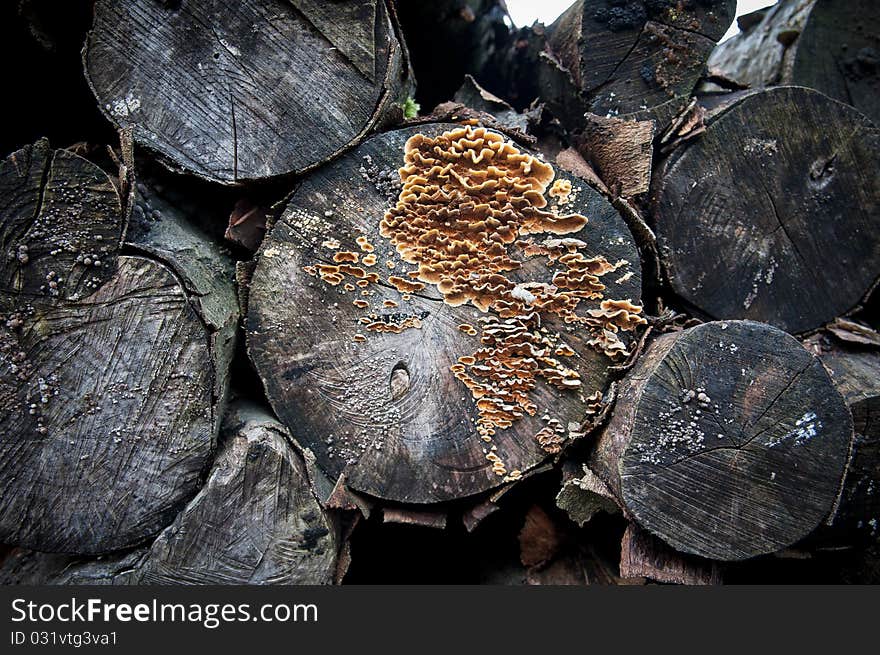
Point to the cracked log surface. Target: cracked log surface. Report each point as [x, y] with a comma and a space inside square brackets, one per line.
[640, 59]
[237, 91]
[383, 408]
[782, 190]
[256, 521]
[728, 441]
[832, 46]
[107, 367]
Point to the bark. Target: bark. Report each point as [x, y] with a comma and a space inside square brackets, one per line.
[385, 409]
[770, 214]
[644, 556]
[248, 91]
[855, 372]
[832, 46]
[112, 372]
[728, 441]
[622, 152]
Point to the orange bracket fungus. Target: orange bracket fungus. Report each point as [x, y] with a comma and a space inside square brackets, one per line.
[497, 299]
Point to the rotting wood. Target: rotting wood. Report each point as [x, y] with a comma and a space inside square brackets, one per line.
[622, 152]
[636, 59]
[776, 190]
[855, 371]
[258, 487]
[113, 371]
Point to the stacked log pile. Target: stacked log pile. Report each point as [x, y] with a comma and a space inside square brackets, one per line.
[600, 314]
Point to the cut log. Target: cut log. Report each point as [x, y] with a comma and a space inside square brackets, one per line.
[471, 34]
[642, 555]
[639, 59]
[856, 374]
[772, 213]
[28, 567]
[832, 46]
[728, 441]
[426, 355]
[112, 374]
[250, 90]
[256, 521]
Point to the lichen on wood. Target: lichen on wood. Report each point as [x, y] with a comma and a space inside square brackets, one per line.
[728, 441]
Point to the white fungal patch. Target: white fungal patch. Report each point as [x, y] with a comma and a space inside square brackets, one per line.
[521, 293]
[231, 48]
[805, 428]
[761, 146]
[124, 107]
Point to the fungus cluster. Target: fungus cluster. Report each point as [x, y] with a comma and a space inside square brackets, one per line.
[469, 209]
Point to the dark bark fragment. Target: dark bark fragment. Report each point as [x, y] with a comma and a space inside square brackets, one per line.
[644, 556]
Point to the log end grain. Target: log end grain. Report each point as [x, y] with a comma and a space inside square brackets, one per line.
[771, 214]
[367, 361]
[732, 441]
[248, 91]
[106, 368]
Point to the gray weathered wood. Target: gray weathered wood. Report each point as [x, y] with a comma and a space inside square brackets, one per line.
[256, 521]
[728, 440]
[827, 45]
[383, 408]
[108, 371]
[236, 91]
[772, 213]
